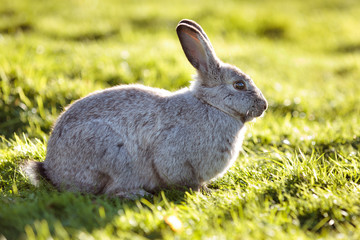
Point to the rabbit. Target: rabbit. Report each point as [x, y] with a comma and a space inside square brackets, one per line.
[130, 141]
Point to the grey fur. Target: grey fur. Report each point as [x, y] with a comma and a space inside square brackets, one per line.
[131, 140]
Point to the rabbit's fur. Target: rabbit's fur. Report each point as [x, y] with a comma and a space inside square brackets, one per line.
[132, 140]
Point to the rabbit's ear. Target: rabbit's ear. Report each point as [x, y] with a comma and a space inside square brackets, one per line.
[198, 27]
[196, 46]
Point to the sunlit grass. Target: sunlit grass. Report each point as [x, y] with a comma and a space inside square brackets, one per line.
[298, 175]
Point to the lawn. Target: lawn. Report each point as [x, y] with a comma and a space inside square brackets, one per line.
[298, 176]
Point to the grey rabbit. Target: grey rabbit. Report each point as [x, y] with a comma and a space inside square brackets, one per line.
[130, 141]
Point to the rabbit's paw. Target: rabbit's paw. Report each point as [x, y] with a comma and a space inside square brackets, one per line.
[133, 194]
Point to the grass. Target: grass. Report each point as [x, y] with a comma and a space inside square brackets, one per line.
[298, 176]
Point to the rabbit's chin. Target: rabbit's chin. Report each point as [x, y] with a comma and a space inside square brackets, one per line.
[246, 118]
[251, 118]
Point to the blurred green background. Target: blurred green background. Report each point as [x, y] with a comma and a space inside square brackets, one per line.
[304, 55]
[299, 174]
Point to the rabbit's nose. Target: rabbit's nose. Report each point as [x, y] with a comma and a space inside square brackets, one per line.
[262, 105]
[266, 105]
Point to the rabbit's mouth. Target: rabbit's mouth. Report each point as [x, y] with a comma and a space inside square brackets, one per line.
[251, 115]
[246, 118]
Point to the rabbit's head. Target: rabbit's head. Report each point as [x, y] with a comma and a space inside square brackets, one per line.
[221, 85]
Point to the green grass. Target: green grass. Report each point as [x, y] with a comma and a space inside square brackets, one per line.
[299, 174]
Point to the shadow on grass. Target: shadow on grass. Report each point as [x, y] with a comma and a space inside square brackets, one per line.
[89, 36]
[16, 27]
[76, 212]
[349, 48]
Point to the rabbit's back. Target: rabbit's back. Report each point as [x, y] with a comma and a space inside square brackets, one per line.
[97, 137]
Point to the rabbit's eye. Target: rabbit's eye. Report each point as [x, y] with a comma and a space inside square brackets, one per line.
[239, 85]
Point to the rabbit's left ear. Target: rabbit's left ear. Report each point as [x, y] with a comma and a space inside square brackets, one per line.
[197, 46]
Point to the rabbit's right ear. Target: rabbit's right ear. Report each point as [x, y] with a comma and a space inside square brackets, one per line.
[197, 46]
